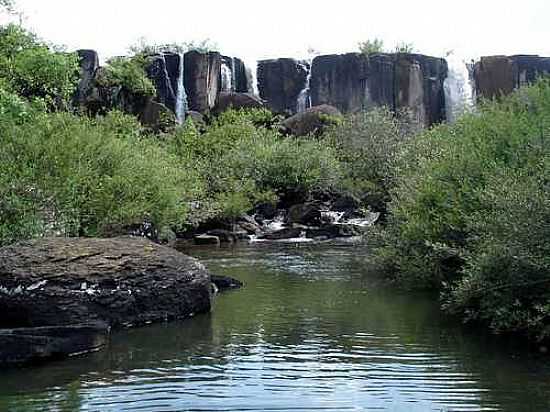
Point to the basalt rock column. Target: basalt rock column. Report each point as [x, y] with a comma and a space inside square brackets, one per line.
[202, 79]
[500, 75]
[280, 82]
[419, 87]
[89, 64]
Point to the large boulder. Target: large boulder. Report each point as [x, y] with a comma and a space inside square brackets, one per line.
[280, 82]
[496, 76]
[122, 282]
[227, 100]
[313, 121]
[202, 80]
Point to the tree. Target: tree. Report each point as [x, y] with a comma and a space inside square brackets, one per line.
[371, 46]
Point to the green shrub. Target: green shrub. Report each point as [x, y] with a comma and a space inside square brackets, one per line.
[66, 175]
[469, 212]
[243, 164]
[34, 70]
[367, 145]
[128, 73]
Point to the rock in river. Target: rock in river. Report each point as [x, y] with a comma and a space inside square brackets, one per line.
[121, 281]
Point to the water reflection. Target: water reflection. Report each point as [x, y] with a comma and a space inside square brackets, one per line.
[312, 330]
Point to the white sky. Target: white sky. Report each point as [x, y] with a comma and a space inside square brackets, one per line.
[288, 28]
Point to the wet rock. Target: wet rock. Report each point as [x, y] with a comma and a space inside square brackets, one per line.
[306, 213]
[225, 282]
[240, 81]
[265, 211]
[165, 81]
[419, 87]
[27, 345]
[122, 282]
[313, 121]
[228, 100]
[202, 240]
[334, 231]
[280, 81]
[225, 236]
[288, 233]
[202, 80]
[346, 203]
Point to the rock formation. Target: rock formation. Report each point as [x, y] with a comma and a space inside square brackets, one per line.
[202, 80]
[500, 75]
[280, 82]
[122, 282]
[354, 81]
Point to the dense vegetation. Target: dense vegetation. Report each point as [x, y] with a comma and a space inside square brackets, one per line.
[467, 204]
[470, 213]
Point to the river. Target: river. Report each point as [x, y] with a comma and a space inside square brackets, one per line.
[313, 329]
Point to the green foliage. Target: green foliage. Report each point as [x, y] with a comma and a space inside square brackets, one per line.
[66, 175]
[34, 70]
[371, 46]
[470, 212]
[367, 145]
[377, 46]
[244, 164]
[128, 73]
[144, 48]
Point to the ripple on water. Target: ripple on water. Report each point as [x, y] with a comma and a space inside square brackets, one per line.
[310, 331]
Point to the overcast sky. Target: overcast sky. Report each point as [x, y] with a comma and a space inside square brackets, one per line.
[255, 29]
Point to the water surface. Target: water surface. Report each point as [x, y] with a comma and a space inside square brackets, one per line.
[313, 329]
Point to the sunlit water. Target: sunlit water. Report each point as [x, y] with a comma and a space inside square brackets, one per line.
[312, 330]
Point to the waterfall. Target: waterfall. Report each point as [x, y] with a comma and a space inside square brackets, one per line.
[304, 98]
[227, 77]
[459, 96]
[181, 96]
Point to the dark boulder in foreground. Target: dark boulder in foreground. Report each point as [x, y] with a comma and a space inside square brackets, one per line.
[313, 121]
[25, 345]
[122, 282]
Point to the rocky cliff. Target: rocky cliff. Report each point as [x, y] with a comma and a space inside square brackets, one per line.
[280, 82]
[498, 75]
[353, 82]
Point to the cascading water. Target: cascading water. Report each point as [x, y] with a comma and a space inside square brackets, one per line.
[181, 95]
[227, 77]
[459, 96]
[304, 98]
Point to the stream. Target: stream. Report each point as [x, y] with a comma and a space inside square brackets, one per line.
[314, 328]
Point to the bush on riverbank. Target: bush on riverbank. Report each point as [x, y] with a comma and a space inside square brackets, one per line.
[73, 176]
[470, 213]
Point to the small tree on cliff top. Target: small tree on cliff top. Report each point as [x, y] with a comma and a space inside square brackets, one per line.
[371, 46]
